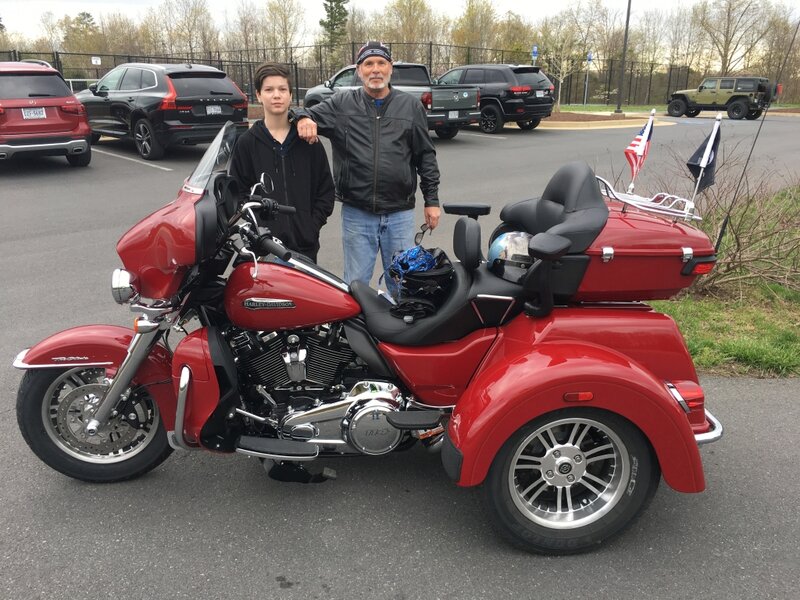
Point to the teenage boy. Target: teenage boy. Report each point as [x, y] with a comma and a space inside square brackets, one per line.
[298, 171]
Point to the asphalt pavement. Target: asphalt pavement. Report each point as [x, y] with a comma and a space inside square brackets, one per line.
[391, 527]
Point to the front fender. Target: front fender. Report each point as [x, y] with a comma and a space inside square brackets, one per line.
[527, 385]
[105, 346]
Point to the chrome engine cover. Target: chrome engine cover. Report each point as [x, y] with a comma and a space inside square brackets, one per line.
[356, 424]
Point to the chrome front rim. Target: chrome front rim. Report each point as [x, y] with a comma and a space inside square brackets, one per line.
[71, 401]
[569, 473]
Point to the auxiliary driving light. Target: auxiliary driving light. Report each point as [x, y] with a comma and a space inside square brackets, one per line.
[122, 286]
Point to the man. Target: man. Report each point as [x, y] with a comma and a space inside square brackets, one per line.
[380, 145]
[298, 171]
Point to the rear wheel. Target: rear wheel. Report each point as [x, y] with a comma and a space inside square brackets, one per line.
[491, 119]
[80, 160]
[52, 408]
[147, 144]
[692, 112]
[676, 108]
[570, 480]
[446, 133]
[753, 115]
[528, 124]
[737, 110]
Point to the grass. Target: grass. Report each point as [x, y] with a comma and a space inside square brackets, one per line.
[661, 107]
[757, 334]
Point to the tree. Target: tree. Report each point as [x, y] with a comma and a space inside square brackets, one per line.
[514, 34]
[735, 28]
[334, 25]
[475, 28]
[2, 27]
[80, 34]
[285, 28]
[561, 48]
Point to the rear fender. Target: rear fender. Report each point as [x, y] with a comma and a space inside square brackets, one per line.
[531, 383]
[105, 346]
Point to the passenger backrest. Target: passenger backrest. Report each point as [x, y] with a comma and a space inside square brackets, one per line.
[467, 243]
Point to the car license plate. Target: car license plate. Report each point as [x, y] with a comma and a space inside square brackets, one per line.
[33, 113]
[213, 109]
[540, 93]
[453, 114]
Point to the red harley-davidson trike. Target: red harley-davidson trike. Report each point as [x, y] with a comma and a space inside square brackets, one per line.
[543, 379]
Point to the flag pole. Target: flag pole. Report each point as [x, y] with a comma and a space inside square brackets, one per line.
[707, 154]
[645, 137]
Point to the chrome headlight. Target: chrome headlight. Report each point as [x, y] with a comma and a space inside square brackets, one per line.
[122, 286]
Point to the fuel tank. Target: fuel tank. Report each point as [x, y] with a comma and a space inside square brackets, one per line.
[280, 297]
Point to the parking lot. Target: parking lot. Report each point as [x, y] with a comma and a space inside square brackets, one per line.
[392, 527]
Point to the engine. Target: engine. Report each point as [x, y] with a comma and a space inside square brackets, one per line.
[311, 386]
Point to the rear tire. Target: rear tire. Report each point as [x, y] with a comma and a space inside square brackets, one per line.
[570, 480]
[737, 110]
[52, 406]
[446, 133]
[80, 160]
[491, 119]
[676, 108]
[692, 112]
[147, 144]
[753, 114]
[529, 124]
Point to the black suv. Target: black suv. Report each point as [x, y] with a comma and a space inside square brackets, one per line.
[163, 105]
[517, 93]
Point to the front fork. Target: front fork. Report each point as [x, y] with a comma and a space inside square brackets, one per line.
[148, 332]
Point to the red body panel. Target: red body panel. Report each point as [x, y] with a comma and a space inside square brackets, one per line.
[315, 302]
[203, 393]
[622, 359]
[109, 344]
[648, 257]
[160, 248]
[438, 375]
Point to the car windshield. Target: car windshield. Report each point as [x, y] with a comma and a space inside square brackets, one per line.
[531, 77]
[29, 85]
[216, 157]
[203, 84]
[410, 76]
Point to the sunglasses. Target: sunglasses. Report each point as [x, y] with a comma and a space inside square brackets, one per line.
[420, 233]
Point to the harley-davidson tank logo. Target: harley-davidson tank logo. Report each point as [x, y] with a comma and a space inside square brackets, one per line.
[267, 304]
[69, 358]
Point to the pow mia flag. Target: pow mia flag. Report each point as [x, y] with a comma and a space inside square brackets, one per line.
[703, 162]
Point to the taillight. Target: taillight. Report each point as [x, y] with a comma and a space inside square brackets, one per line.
[168, 103]
[2, 110]
[692, 400]
[240, 105]
[427, 100]
[74, 109]
[703, 268]
[521, 90]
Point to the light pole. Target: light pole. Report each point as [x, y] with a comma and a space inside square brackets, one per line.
[586, 83]
[624, 52]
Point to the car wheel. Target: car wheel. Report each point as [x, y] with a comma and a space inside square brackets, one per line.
[80, 160]
[147, 145]
[676, 108]
[446, 133]
[491, 119]
[692, 112]
[95, 138]
[737, 110]
[529, 124]
[570, 480]
[753, 114]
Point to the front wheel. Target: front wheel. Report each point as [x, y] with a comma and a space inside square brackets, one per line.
[147, 143]
[676, 108]
[570, 480]
[54, 405]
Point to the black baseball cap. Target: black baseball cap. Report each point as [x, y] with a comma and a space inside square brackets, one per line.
[373, 49]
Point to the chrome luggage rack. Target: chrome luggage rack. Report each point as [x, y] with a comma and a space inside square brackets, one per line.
[667, 205]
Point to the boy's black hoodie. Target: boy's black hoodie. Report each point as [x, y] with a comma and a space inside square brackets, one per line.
[301, 177]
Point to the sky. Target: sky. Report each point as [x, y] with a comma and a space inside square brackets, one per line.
[23, 16]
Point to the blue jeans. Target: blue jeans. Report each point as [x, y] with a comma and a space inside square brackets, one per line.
[364, 233]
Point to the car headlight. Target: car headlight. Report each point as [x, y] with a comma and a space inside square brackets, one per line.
[122, 286]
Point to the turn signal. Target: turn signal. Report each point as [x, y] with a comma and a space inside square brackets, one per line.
[703, 268]
[578, 396]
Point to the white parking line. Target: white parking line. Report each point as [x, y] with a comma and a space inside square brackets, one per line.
[136, 160]
[483, 135]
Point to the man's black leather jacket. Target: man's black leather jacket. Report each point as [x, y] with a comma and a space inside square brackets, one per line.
[378, 152]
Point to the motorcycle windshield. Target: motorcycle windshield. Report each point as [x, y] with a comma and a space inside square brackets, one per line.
[215, 159]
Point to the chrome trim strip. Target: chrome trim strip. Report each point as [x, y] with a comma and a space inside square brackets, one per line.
[279, 456]
[175, 437]
[678, 398]
[492, 297]
[311, 271]
[19, 363]
[713, 434]
[477, 312]
[192, 190]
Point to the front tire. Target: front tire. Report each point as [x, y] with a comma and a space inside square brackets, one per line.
[491, 119]
[52, 407]
[147, 144]
[570, 480]
[676, 108]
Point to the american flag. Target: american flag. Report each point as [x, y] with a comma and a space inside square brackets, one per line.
[637, 150]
